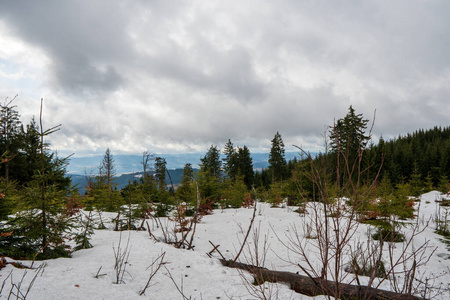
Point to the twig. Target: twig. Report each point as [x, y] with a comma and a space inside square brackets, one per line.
[98, 275]
[153, 272]
[246, 236]
[216, 248]
[176, 285]
[149, 232]
[121, 259]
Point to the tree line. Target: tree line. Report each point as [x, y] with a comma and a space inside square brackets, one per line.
[38, 204]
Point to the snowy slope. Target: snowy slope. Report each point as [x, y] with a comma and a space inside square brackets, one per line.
[197, 274]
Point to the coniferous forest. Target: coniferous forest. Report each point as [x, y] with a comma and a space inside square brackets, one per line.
[35, 190]
[43, 216]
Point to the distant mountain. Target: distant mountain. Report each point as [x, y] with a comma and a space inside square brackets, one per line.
[129, 167]
[80, 181]
[128, 163]
[132, 163]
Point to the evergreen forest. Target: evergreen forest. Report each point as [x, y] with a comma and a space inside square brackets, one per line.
[40, 211]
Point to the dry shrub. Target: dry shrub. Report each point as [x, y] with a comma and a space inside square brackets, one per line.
[248, 201]
[2, 262]
[205, 208]
[72, 207]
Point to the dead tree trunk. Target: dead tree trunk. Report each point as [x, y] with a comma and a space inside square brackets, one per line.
[315, 286]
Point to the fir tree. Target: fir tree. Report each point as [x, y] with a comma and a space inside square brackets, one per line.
[106, 194]
[43, 212]
[211, 162]
[160, 172]
[245, 166]
[428, 185]
[9, 130]
[186, 191]
[229, 161]
[108, 169]
[277, 161]
[444, 184]
[348, 136]
[416, 182]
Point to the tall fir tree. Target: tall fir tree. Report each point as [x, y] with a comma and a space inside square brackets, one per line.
[245, 165]
[108, 168]
[107, 172]
[348, 136]
[229, 161]
[10, 129]
[160, 176]
[209, 177]
[186, 192]
[348, 141]
[212, 163]
[277, 160]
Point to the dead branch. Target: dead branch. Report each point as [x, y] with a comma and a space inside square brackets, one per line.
[248, 232]
[307, 286]
[161, 262]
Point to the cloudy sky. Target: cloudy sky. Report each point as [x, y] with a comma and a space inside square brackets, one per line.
[178, 76]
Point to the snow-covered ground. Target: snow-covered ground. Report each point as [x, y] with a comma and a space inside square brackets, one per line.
[195, 273]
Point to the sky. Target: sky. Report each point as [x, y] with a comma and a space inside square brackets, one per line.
[180, 76]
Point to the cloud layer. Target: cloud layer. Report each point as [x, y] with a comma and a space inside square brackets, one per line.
[178, 76]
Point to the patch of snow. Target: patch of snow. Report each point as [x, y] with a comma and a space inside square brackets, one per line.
[197, 274]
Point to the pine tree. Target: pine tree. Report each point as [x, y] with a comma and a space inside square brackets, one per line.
[106, 189]
[229, 162]
[160, 172]
[160, 176]
[385, 193]
[108, 169]
[277, 161]
[211, 162]
[348, 141]
[234, 192]
[428, 185]
[416, 182]
[30, 148]
[10, 126]
[186, 191]
[208, 185]
[43, 213]
[245, 166]
[444, 184]
[348, 136]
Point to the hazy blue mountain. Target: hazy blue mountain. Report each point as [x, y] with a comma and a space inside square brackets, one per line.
[128, 163]
[129, 167]
[132, 163]
[80, 181]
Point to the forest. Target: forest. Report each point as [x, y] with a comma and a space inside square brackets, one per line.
[43, 216]
[33, 177]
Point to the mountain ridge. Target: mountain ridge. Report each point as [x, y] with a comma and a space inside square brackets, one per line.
[132, 163]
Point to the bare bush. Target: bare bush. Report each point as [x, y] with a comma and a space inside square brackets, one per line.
[121, 256]
[17, 289]
[255, 254]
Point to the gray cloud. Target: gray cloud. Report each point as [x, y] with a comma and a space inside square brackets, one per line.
[180, 76]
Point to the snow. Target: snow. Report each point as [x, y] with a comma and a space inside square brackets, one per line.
[195, 273]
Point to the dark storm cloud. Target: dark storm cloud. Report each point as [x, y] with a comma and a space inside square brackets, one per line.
[181, 75]
[82, 38]
[229, 72]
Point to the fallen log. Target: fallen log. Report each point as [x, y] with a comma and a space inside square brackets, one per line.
[315, 286]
